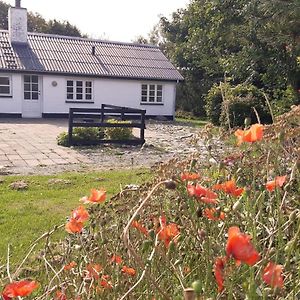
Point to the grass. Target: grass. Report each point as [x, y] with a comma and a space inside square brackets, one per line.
[27, 214]
[193, 122]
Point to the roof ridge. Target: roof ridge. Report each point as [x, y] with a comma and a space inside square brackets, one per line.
[87, 39]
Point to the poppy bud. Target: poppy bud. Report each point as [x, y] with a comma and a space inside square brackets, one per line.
[197, 286]
[170, 184]
[247, 122]
[152, 234]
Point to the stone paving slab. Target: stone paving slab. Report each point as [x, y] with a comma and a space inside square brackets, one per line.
[32, 142]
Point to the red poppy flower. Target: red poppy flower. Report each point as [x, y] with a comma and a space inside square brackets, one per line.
[93, 271]
[139, 227]
[97, 196]
[213, 214]
[272, 275]
[253, 134]
[80, 214]
[189, 176]
[73, 226]
[116, 259]
[229, 187]
[19, 288]
[219, 266]
[70, 266]
[279, 181]
[203, 194]
[167, 233]
[128, 271]
[239, 246]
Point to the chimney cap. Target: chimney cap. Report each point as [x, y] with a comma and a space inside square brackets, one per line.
[18, 4]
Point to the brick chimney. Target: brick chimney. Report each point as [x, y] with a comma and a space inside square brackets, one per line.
[17, 23]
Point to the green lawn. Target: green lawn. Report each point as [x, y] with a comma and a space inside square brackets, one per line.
[192, 122]
[26, 215]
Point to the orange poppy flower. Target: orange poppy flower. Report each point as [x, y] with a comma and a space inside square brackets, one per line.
[239, 246]
[19, 289]
[73, 226]
[219, 266]
[128, 271]
[139, 227]
[105, 283]
[93, 271]
[229, 187]
[116, 259]
[203, 194]
[80, 214]
[189, 176]
[279, 181]
[167, 233]
[59, 295]
[272, 275]
[253, 134]
[97, 196]
[70, 266]
[213, 214]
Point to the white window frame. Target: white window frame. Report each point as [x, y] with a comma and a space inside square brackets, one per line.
[152, 94]
[6, 95]
[86, 93]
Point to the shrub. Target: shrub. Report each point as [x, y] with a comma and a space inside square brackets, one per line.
[239, 104]
[81, 136]
[118, 133]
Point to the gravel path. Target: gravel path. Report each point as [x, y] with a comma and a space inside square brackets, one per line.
[164, 140]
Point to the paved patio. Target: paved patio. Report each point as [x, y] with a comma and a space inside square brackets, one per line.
[32, 142]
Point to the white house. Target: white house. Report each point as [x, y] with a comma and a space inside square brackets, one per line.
[43, 75]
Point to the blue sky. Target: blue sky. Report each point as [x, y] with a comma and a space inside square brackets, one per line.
[118, 20]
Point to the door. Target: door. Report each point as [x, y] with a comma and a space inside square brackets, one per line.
[32, 107]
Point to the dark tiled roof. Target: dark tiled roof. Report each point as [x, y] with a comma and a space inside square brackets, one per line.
[60, 54]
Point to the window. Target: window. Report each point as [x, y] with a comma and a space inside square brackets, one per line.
[79, 90]
[151, 93]
[31, 87]
[5, 86]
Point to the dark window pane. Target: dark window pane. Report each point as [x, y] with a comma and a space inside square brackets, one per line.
[144, 99]
[159, 99]
[69, 83]
[79, 96]
[88, 84]
[35, 79]
[4, 80]
[35, 96]
[69, 96]
[159, 87]
[144, 86]
[27, 78]
[151, 99]
[159, 93]
[4, 89]
[35, 87]
[27, 87]
[88, 90]
[144, 93]
[27, 95]
[70, 89]
[79, 90]
[152, 93]
[152, 87]
[78, 83]
[88, 96]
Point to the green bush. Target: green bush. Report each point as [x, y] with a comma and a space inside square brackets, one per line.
[118, 133]
[239, 104]
[213, 105]
[81, 136]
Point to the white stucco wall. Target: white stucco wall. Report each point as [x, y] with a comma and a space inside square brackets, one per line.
[13, 104]
[108, 91]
